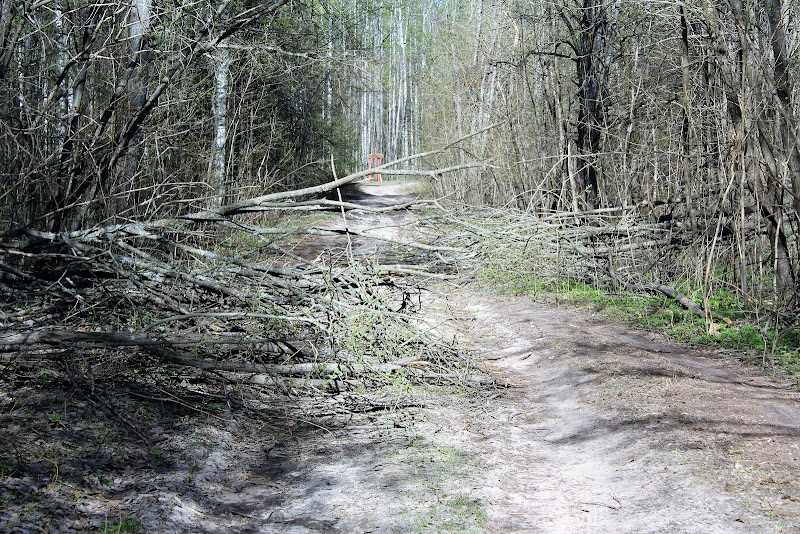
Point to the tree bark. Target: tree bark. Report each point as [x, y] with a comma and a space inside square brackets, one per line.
[591, 51]
[220, 66]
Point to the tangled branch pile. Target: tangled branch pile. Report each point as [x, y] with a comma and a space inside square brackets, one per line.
[613, 248]
[232, 292]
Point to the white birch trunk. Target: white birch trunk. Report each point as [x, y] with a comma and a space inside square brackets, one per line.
[487, 110]
[326, 110]
[139, 23]
[216, 169]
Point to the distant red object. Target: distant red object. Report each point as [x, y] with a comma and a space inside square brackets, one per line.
[376, 158]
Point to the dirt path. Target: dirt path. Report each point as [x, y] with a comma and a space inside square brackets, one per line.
[607, 429]
[603, 428]
[598, 428]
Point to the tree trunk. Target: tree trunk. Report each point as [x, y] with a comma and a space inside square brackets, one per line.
[591, 49]
[783, 92]
[772, 201]
[686, 126]
[221, 66]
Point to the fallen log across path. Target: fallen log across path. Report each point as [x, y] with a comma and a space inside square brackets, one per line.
[223, 291]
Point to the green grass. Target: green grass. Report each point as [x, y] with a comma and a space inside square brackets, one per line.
[126, 524]
[440, 507]
[744, 337]
[452, 514]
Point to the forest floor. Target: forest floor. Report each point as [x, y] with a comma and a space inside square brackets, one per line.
[593, 426]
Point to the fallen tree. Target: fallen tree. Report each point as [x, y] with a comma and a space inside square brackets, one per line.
[617, 248]
[219, 291]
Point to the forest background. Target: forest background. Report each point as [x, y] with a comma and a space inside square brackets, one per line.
[675, 124]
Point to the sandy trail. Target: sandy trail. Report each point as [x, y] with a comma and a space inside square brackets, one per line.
[602, 428]
[607, 430]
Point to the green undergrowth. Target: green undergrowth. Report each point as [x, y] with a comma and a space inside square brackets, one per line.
[778, 349]
[126, 524]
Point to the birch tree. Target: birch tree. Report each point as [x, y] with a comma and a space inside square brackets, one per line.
[221, 65]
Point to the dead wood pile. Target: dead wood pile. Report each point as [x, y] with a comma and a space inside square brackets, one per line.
[615, 248]
[226, 292]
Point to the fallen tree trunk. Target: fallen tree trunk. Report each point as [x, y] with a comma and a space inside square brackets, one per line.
[332, 369]
[161, 347]
[16, 341]
[212, 271]
[680, 298]
[686, 302]
[269, 201]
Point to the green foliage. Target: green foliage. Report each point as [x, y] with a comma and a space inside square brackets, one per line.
[789, 361]
[726, 302]
[371, 333]
[139, 319]
[511, 271]
[513, 282]
[455, 513]
[745, 337]
[126, 524]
